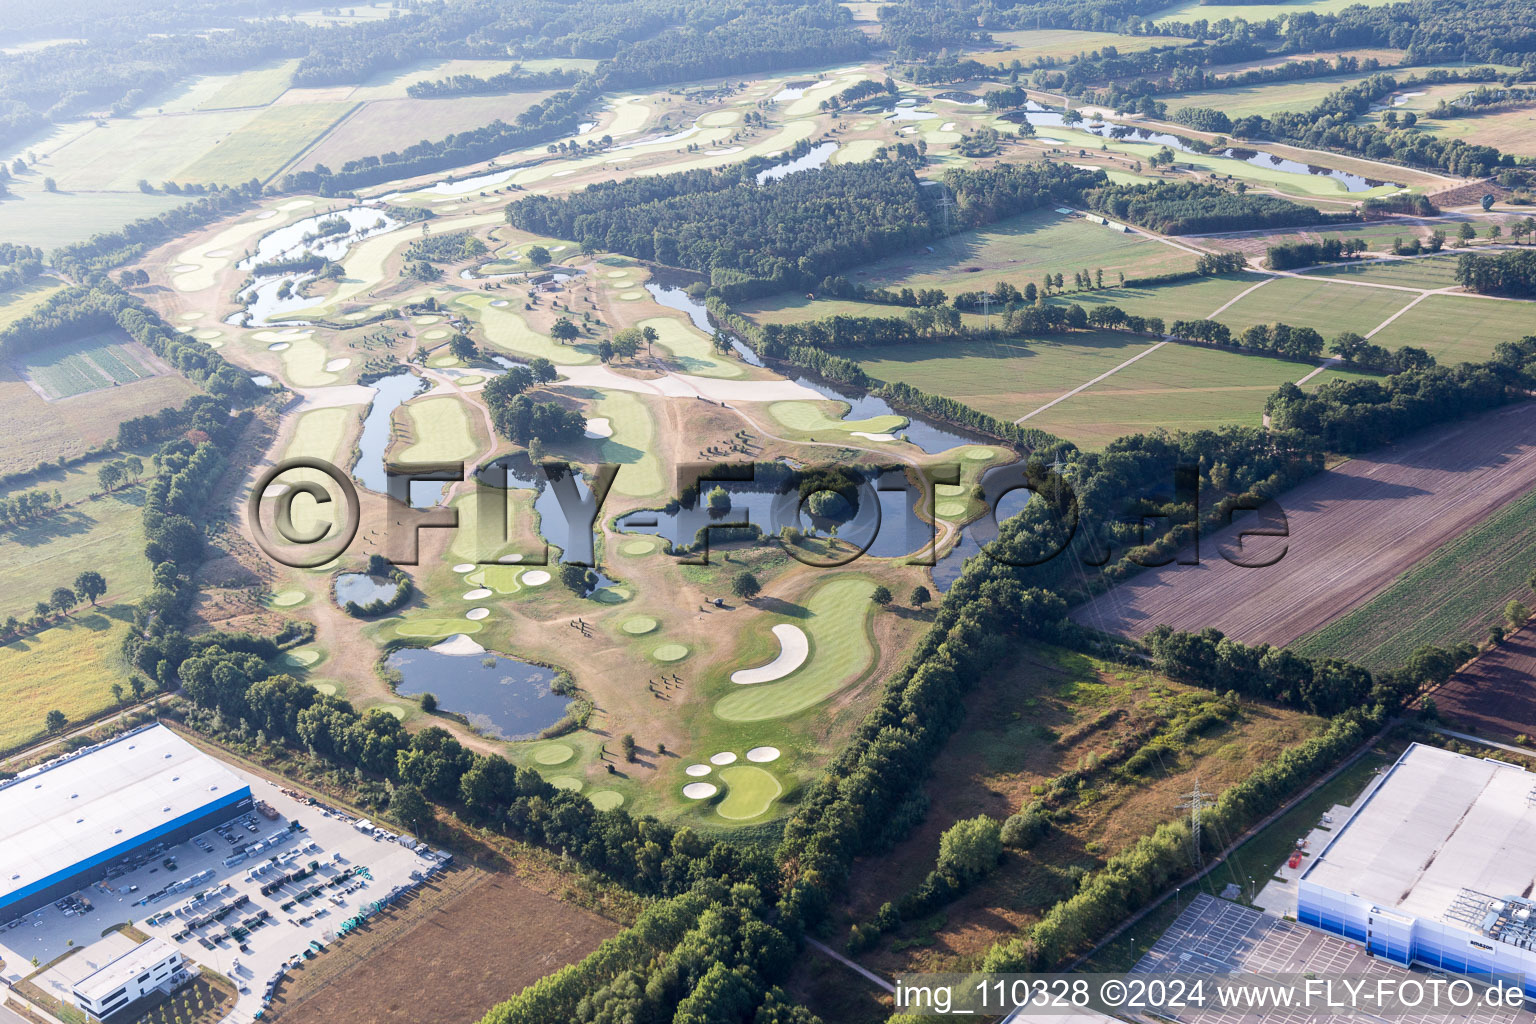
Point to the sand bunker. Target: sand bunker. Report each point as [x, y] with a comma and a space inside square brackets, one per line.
[337, 364]
[722, 758]
[872, 437]
[793, 650]
[478, 594]
[700, 790]
[464, 567]
[535, 578]
[463, 646]
[762, 755]
[697, 770]
[476, 614]
[599, 427]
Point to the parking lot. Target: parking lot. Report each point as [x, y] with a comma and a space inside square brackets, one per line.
[244, 899]
[1214, 936]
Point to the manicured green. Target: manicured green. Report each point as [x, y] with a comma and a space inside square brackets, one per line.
[836, 620]
[811, 418]
[441, 429]
[749, 792]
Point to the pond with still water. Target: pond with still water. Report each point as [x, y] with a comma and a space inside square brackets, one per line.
[500, 696]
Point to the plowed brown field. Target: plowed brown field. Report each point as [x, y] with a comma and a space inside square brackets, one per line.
[1496, 696]
[1353, 529]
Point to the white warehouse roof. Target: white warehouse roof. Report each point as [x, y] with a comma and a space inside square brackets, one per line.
[114, 974]
[1437, 822]
[84, 810]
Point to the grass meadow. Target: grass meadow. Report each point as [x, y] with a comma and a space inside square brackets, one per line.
[69, 668]
[1459, 328]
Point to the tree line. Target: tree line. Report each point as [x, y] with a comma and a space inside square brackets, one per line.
[1189, 208]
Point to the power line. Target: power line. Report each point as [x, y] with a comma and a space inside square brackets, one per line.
[1195, 803]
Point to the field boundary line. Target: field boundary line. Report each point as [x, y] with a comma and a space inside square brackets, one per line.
[868, 975]
[1399, 313]
[1084, 387]
[313, 143]
[1270, 276]
[1327, 364]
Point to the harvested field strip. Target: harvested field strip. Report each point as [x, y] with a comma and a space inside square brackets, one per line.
[1328, 307]
[1352, 530]
[1455, 594]
[1495, 695]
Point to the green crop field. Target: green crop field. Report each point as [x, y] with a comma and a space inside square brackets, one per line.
[69, 668]
[1455, 594]
[1007, 378]
[1185, 300]
[18, 302]
[255, 88]
[1268, 98]
[836, 619]
[1437, 271]
[1179, 387]
[1026, 45]
[1194, 10]
[52, 219]
[87, 364]
[264, 145]
[104, 533]
[1329, 308]
[1460, 328]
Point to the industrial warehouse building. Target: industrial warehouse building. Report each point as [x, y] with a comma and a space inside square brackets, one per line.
[1436, 866]
[66, 823]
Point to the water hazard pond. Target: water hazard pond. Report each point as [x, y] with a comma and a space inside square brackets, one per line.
[500, 696]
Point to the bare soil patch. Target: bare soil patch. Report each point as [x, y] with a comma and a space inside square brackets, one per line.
[470, 951]
[1496, 694]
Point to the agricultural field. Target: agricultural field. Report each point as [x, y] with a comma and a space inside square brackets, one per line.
[255, 88]
[1196, 10]
[1459, 328]
[18, 302]
[1027, 45]
[264, 145]
[1076, 712]
[1495, 696]
[1184, 300]
[1178, 387]
[1454, 594]
[382, 125]
[458, 948]
[1437, 271]
[51, 219]
[88, 364]
[1353, 530]
[96, 531]
[70, 668]
[1330, 308]
[1270, 98]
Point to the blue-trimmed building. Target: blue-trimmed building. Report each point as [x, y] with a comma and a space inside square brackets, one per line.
[1435, 866]
[66, 823]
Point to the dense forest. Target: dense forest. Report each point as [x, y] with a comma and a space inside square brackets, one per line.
[1186, 207]
[1512, 272]
[19, 264]
[792, 232]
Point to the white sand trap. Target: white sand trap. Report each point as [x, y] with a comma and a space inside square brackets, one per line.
[793, 649]
[266, 215]
[947, 126]
[478, 594]
[616, 274]
[723, 758]
[509, 559]
[184, 268]
[277, 346]
[190, 316]
[297, 204]
[476, 614]
[216, 254]
[698, 769]
[761, 755]
[723, 152]
[357, 316]
[599, 427]
[337, 364]
[561, 174]
[459, 644]
[700, 790]
[873, 437]
[464, 567]
[557, 248]
[535, 578]
[498, 302]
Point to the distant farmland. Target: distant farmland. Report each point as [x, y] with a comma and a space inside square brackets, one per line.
[1353, 530]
